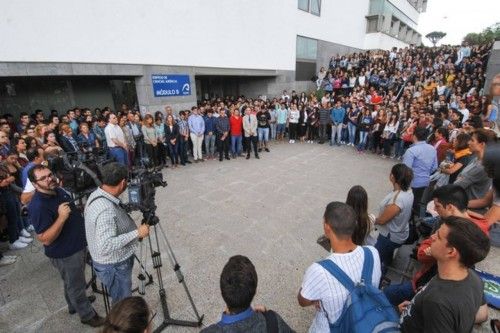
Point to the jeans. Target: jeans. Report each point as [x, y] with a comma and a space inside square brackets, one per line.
[72, 271]
[322, 132]
[352, 132]
[223, 146]
[280, 128]
[210, 144]
[116, 277]
[399, 150]
[120, 155]
[418, 207]
[197, 142]
[236, 144]
[336, 130]
[263, 134]
[273, 131]
[173, 151]
[398, 293]
[362, 140]
[386, 249]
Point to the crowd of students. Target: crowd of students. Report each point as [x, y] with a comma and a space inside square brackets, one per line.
[425, 106]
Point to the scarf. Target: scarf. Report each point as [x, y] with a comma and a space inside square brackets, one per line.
[461, 153]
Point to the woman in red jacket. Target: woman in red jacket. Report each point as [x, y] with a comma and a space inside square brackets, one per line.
[236, 126]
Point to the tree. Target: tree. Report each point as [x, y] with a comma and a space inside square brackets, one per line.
[435, 36]
[488, 35]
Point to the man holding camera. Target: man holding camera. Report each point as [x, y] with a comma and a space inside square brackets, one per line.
[59, 227]
[112, 235]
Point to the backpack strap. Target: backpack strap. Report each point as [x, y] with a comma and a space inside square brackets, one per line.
[367, 272]
[337, 273]
[271, 321]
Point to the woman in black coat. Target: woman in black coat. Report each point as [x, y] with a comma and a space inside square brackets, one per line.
[172, 140]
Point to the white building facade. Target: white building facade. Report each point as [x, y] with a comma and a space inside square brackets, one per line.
[72, 50]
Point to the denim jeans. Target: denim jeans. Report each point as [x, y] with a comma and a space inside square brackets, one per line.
[120, 155]
[236, 144]
[116, 277]
[210, 144]
[13, 214]
[386, 249]
[273, 131]
[399, 150]
[336, 130]
[398, 293]
[363, 135]
[352, 132]
[263, 134]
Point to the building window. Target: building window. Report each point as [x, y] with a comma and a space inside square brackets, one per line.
[372, 24]
[307, 48]
[310, 6]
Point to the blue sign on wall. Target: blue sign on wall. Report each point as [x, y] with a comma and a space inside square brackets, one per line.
[171, 85]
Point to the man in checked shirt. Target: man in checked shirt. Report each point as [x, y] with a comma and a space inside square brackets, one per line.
[112, 235]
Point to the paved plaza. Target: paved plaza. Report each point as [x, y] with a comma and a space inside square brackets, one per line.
[269, 210]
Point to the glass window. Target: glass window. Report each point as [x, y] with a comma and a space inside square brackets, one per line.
[307, 48]
[371, 25]
[310, 6]
[316, 7]
[304, 5]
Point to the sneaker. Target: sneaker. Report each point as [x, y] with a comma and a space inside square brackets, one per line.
[7, 261]
[95, 321]
[289, 141]
[30, 228]
[266, 149]
[25, 233]
[26, 240]
[17, 245]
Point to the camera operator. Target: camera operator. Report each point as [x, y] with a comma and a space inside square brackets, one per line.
[60, 228]
[112, 235]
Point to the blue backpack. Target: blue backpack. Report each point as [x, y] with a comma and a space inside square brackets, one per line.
[366, 308]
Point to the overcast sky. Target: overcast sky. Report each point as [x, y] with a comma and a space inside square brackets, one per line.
[457, 18]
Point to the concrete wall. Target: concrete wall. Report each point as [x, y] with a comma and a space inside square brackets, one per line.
[257, 34]
[379, 40]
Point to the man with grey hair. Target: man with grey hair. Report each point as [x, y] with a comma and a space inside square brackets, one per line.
[319, 287]
[112, 235]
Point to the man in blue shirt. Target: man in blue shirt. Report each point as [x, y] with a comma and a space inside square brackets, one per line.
[421, 157]
[197, 129]
[59, 226]
[337, 116]
[238, 283]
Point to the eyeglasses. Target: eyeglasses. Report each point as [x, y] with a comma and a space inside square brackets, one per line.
[41, 179]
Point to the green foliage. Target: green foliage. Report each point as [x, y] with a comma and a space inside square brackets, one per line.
[435, 36]
[488, 35]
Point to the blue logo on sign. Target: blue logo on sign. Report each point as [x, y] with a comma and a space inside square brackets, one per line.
[171, 85]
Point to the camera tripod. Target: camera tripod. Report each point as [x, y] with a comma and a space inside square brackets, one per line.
[152, 220]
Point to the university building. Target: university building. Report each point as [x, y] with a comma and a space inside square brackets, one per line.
[59, 54]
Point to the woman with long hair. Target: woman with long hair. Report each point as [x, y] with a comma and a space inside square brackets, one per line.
[357, 198]
[150, 139]
[461, 157]
[394, 214]
[130, 315]
[172, 140]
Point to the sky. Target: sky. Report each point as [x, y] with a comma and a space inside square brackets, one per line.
[457, 18]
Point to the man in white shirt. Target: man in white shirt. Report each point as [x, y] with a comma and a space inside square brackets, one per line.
[464, 111]
[116, 140]
[319, 287]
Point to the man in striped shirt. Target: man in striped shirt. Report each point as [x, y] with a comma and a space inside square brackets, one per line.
[184, 137]
[319, 287]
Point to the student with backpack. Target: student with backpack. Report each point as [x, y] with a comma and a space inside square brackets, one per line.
[344, 287]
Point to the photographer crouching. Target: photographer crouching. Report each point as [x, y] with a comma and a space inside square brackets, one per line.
[112, 235]
[59, 226]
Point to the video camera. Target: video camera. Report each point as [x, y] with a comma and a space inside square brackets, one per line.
[142, 189]
[79, 172]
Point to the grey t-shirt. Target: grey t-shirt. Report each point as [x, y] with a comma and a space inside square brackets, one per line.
[474, 180]
[444, 306]
[398, 227]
